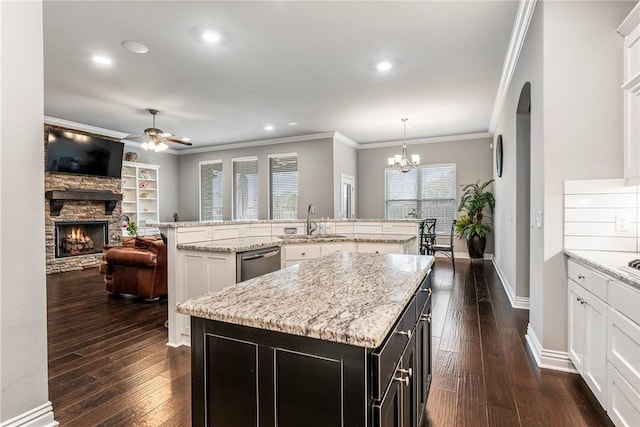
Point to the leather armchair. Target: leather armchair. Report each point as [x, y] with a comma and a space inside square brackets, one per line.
[137, 269]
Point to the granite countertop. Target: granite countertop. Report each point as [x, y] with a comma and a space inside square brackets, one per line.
[242, 244]
[609, 263]
[270, 221]
[345, 297]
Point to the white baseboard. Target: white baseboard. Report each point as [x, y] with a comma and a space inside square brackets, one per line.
[463, 255]
[548, 359]
[515, 301]
[41, 416]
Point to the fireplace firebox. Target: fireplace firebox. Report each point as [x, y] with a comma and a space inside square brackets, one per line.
[80, 238]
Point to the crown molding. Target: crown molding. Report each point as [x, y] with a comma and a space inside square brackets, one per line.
[346, 140]
[630, 22]
[430, 140]
[257, 143]
[524, 14]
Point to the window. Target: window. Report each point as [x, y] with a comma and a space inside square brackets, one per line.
[429, 191]
[283, 186]
[245, 188]
[211, 190]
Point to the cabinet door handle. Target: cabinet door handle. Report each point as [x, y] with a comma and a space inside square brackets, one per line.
[580, 276]
[303, 253]
[426, 290]
[409, 372]
[407, 333]
[404, 380]
[426, 317]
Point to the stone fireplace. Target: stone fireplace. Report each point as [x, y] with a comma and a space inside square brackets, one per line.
[88, 202]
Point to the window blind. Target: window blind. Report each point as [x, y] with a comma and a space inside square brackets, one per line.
[245, 189]
[429, 191]
[211, 191]
[283, 187]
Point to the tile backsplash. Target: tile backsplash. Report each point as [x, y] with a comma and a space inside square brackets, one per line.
[601, 214]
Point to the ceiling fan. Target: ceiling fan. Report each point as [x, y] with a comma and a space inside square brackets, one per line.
[153, 138]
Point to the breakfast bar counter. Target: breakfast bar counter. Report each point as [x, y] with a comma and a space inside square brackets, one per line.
[343, 339]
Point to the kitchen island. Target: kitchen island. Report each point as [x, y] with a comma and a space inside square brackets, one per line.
[341, 340]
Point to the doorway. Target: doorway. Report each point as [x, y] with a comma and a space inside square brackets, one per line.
[523, 194]
[347, 196]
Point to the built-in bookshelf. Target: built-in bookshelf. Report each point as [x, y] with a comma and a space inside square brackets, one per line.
[140, 195]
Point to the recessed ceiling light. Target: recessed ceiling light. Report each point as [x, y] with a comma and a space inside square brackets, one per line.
[384, 66]
[211, 36]
[101, 60]
[134, 46]
[269, 128]
[293, 123]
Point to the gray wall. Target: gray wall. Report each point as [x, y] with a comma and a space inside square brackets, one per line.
[473, 159]
[23, 301]
[573, 59]
[169, 179]
[345, 161]
[315, 177]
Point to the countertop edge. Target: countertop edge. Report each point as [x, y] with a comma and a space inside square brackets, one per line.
[590, 258]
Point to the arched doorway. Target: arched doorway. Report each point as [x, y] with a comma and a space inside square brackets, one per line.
[523, 193]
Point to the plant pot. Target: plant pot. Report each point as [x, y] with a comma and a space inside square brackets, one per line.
[476, 245]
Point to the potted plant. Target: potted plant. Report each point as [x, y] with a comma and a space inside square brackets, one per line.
[132, 228]
[472, 224]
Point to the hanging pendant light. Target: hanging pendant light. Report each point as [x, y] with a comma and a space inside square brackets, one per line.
[402, 162]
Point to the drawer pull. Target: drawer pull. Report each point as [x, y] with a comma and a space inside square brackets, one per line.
[404, 380]
[426, 317]
[409, 372]
[580, 276]
[303, 253]
[407, 333]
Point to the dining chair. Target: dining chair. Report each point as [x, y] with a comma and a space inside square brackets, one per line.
[427, 235]
[446, 248]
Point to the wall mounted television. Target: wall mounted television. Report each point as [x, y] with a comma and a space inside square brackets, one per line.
[75, 153]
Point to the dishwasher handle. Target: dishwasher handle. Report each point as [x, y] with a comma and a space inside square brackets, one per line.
[261, 255]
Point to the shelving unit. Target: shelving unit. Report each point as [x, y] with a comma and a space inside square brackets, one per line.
[140, 195]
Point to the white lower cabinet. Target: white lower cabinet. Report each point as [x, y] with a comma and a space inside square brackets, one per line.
[604, 340]
[295, 254]
[623, 401]
[588, 338]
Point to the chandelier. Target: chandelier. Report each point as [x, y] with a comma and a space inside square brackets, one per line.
[402, 162]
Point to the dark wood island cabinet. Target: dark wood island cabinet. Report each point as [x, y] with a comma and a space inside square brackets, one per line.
[278, 351]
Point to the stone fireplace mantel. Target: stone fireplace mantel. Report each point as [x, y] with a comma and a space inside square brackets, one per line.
[57, 198]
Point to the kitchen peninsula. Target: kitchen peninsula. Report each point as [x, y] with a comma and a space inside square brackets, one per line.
[202, 255]
[340, 340]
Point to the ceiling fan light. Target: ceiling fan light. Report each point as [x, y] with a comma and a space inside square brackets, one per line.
[144, 146]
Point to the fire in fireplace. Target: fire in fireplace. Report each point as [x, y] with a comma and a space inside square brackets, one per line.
[80, 238]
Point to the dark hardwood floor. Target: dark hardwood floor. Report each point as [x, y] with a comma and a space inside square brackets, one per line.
[109, 364]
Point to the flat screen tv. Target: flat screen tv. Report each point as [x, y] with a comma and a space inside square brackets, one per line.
[74, 153]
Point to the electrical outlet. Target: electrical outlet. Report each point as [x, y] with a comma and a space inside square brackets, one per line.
[539, 219]
[621, 223]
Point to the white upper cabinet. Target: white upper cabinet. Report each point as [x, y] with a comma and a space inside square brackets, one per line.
[630, 29]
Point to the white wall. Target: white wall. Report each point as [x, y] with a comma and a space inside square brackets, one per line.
[573, 59]
[23, 307]
[315, 177]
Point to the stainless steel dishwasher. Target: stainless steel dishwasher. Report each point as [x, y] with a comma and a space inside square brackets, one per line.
[255, 263]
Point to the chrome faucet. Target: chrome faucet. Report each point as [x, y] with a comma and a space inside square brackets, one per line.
[311, 226]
